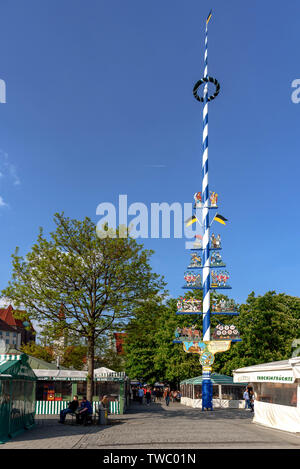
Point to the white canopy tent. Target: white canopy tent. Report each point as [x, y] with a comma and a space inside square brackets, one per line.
[277, 393]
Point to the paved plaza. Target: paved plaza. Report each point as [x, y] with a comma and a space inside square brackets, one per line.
[157, 427]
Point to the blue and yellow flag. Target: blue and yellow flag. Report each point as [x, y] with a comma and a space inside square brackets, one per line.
[209, 16]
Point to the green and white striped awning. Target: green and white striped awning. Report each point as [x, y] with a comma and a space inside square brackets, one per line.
[215, 378]
[4, 357]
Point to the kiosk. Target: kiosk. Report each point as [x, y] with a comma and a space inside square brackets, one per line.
[17, 395]
[276, 389]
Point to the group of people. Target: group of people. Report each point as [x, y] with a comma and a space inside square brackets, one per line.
[82, 411]
[249, 398]
[156, 394]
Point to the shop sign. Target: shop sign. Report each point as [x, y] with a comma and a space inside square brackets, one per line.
[289, 379]
[272, 377]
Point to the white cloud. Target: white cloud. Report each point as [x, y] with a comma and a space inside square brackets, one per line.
[7, 168]
[2, 203]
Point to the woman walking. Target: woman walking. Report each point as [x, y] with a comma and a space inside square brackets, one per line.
[167, 396]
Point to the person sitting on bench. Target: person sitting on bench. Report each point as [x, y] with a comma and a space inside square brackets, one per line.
[84, 411]
[72, 407]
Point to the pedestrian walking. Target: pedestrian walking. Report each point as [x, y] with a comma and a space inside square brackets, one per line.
[251, 399]
[246, 398]
[148, 396]
[167, 396]
[141, 395]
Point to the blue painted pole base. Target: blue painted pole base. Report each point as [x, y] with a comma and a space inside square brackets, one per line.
[207, 394]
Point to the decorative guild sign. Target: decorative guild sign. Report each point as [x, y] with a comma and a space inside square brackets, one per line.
[189, 305]
[223, 305]
[196, 261]
[225, 332]
[206, 350]
[198, 200]
[218, 346]
[207, 358]
[197, 244]
[187, 333]
[215, 241]
[193, 280]
[213, 199]
[194, 347]
[216, 260]
[219, 279]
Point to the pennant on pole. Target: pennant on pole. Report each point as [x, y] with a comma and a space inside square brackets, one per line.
[209, 17]
[191, 220]
[219, 218]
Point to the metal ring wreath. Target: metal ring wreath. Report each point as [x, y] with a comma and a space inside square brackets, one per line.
[206, 80]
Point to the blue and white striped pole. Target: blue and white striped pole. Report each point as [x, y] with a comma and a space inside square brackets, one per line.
[205, 212]
[206, 381]
[206, 371]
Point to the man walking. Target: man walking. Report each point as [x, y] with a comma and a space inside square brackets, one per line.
[247, 399]
[141, 395]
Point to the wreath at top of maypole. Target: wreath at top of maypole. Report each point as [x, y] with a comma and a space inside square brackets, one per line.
[206, 80]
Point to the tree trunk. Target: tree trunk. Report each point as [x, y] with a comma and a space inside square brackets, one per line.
[90, 363]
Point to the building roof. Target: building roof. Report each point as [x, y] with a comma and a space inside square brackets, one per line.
[215, 378]
[38, 364]
[7, 315]
[281, 371]
[15, 367]
[5, 327]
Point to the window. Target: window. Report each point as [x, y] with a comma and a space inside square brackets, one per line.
[109, 388]
[7, 334]
[232, 392]
[81, 388]
[276, 393]
[7, 341]
[198, 391]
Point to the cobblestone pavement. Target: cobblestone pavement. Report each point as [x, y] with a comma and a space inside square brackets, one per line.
[158, 427]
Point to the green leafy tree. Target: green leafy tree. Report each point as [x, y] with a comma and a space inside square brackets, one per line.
[151, 354]
[94, 279]
[140, 345]
[38, 351]
[74, 357]
[268, 325]
[110, 359]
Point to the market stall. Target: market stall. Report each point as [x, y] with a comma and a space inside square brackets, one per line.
[225, 392]
[276, 389]
[17, 395]
[55, 388]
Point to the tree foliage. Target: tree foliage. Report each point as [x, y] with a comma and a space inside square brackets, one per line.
[38, 351]
[268, 325]
[81, 282]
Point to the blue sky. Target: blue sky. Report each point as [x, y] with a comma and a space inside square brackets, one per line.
[99, 103]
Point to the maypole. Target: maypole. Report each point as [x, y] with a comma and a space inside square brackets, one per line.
[206, 383]
[206, 255]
